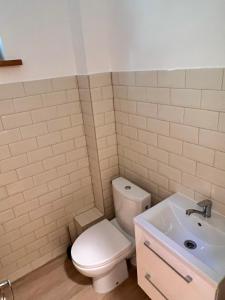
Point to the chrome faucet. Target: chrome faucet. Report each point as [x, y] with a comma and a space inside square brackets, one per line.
[206, 212]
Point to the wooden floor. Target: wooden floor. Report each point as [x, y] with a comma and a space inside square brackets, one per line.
[59, 280]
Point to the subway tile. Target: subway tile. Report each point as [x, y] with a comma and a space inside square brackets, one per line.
[64, 83]
[55, 98]
[33, 130]
[222, 122]
[13, 163]
[184, 164]
[147, 109]
[186, 97]
[220, 160]
[147, 137]
[158, 154]
[158, 95]
[126, 78]
[196, 184]
[213, 100]
[39, 154]
[169, 172]
[11, 90]
[27, 103]
[44, 114]
[16, 120]
[211, 174]
[23, 146]
[20, 186]
[37, 86]
[4, 152]
[171, 113]
[198, 153]
[136, 93]
[59, 124]
[183, 132]
[30, 170]
[171, 78]
[212, 139]
[6, 107]
[204, 79]
[158, 126]
[201, 118]
[102, 106]
[9, 136]
[137, 121]
[146, 78]
[170, 144]
[99, 80]
[9, 177]
[49, 139]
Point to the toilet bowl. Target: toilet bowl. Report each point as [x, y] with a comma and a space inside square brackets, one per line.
[101, 251]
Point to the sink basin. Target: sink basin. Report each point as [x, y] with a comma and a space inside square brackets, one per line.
[198, 240]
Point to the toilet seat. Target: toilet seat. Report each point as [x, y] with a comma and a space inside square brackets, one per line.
[100, 245]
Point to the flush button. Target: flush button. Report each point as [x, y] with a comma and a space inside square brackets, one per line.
[127, 187]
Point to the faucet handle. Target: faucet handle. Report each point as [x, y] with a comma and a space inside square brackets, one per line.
[207, 207]
[205, 203]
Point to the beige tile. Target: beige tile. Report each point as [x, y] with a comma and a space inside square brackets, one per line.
[6, 107]
[58, 182]
[212, 139]
[147, 109]
[13, 163]
[201, 118]
[220, 160]
[204, 79]
[158, 95]
[63, 147]
[186, 97]
[146, 78]
[9, 136]
[11, 90]
[211, 174]
[159, 179]
[26, 207]
[129, 132]
[55, 98]
[170, 144]
[54, 161]
[126, 78]
[120, 91]
[99, 80]
[31, 226]
[16, 120]
[27, 103]
[6, 215]
[83, 81]
[158, 126]
[158, 154]
[35, 192]
[121, 117]
[64, 83]
[126, 106]
[171, 113]
[44, 114]
[218, 193]
[183, 132]
[33, 130]
[4, 152]
[49, 139]
[196, 184]
[176, 187]
[213, 100]
[76, 119]
[30, 170]
[23, 146]
[184, 164]
[198, 153]
[16, 222]
[8, 177]
[39, 154]
[12, 201]
[59, 124]
[136, 93]
[20, 186]
[170, 172]
[72, 132]
[222, 122]
[137, 121]
[103, 106]
[171, 78]
[37, 86]
[45, 177]
[147, 137]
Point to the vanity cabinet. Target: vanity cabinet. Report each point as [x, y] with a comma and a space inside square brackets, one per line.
[162, 275]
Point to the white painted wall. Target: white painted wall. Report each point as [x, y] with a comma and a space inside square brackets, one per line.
[63, 37]
[38, 31]
[162, 34]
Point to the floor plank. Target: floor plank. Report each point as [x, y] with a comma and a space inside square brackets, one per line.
[59, 280]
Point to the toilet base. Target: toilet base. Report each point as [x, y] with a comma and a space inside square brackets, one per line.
[111, 280]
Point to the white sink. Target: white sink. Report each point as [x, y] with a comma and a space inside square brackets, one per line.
[169, 224]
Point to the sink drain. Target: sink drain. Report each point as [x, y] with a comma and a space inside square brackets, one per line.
[190, 244]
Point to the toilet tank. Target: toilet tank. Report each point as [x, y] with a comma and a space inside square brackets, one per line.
[129, 201]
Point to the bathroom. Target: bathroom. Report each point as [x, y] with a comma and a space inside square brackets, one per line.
[112, 149]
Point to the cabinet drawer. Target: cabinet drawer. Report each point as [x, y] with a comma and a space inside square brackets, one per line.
[167, 273]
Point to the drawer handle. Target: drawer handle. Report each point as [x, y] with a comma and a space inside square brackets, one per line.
[187, 278]
[148, 278]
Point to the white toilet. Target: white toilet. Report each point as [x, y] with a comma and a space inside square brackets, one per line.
[101, 251]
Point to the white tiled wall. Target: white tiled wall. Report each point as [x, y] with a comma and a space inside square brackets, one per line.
[171, 131]
[44, 171]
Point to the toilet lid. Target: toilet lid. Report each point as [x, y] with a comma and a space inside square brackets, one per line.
[99, 244]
